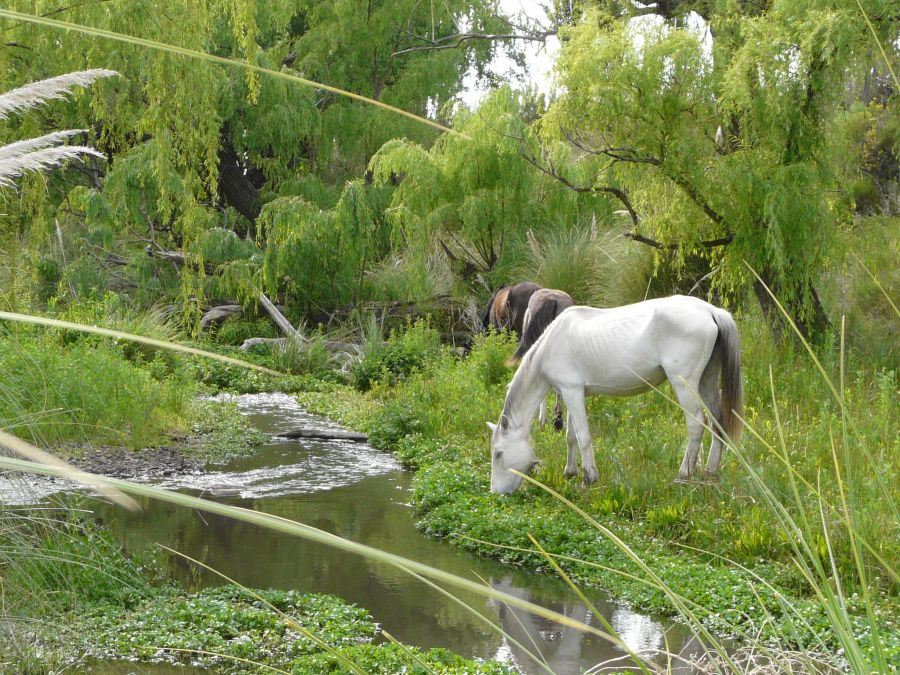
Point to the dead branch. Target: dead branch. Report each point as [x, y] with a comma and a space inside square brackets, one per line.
[454, 41]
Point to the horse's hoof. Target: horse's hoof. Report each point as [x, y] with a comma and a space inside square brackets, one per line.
[570, 474]
[591, 476]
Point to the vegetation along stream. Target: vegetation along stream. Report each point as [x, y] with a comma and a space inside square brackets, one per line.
[361, 494]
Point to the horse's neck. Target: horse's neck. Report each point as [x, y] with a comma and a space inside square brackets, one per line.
[525, 394]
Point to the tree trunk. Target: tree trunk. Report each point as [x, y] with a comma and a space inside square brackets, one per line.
[811, 324]
[235, 185]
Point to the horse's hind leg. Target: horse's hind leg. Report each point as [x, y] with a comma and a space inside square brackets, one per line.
[578, 423]
[695, 419]
[557, 414]
[712, 399]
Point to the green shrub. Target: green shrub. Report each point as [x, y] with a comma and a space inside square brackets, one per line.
[404, 353]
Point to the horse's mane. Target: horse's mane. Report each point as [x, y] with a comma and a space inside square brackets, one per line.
[521, 377]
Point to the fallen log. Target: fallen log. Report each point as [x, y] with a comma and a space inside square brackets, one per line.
[279, 318]
[330, 345]
[249, 343]
[325, 434]
[218, 314]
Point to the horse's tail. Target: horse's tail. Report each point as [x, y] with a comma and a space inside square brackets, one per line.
[486, 316]
[534, 327]
[728, 345]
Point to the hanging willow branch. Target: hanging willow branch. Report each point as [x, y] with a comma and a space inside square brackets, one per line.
[212, 58]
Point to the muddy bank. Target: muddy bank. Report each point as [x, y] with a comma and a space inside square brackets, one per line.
[119, 462]
[219, 433]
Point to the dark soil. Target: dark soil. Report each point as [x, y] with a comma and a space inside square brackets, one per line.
[119, 462]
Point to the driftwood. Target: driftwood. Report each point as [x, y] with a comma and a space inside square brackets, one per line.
[279, 318]
[325, 434]
[330, 345]
[218, 314]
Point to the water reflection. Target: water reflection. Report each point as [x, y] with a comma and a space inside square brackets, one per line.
[536, 644]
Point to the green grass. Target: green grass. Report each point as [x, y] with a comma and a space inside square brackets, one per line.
[57, 389]
[753, 517]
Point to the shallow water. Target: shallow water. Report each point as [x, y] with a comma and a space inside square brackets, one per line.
[356, 492]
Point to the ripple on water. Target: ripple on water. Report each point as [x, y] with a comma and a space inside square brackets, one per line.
[277, 468]
[284, 466]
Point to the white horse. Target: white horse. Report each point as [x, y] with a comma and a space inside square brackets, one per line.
[621, 352]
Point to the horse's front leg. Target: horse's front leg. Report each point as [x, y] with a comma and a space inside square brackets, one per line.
[572, 443]
[574, 399]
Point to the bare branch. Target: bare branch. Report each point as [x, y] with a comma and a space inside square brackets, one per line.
[454, 41]
[618, 193]
[618, 154]
[711, 243]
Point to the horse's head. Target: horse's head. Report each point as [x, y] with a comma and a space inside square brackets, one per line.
[510, 449]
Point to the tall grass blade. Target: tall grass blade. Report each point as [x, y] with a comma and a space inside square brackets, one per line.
[639, 662]
[887, 61]
[211, 58]
[877, 283]
[119, 335]
[700, 631]
[891, 502]
[288, 619]
[34, 454]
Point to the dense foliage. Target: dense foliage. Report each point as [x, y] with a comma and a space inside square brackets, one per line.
[325, 158]
[723, 139]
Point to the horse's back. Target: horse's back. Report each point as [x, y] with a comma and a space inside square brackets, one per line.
[623, 350]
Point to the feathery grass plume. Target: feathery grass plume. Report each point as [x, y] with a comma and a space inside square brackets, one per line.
[44, 152]
[20, 148]
[34, 94]
[41, 160]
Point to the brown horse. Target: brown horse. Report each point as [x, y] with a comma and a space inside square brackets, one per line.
[544, 306]
[506, 308]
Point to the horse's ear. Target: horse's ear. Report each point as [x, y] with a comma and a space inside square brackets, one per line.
[491, 426]
[504, 422]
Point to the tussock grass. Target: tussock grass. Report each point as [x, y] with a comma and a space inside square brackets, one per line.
[581, 261]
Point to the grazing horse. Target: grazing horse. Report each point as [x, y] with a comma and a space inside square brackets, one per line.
[621, 352]
[506, 308]
[544, 305]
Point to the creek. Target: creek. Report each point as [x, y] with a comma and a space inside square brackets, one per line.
[361, 494]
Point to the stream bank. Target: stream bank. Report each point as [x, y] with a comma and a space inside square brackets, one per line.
[363, 494]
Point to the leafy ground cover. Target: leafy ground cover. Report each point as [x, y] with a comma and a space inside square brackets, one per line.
[721, 546]
[232, 630]
[105, 605]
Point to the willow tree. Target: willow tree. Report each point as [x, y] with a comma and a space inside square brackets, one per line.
[475, 195]
[716, 146]
[195, 149]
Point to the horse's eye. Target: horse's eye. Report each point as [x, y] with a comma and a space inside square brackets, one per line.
[498, 454]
